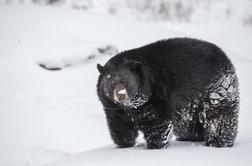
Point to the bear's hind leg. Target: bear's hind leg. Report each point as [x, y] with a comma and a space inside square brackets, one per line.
[186, 123]
[193, 137]
[220, 113]
[221, 129]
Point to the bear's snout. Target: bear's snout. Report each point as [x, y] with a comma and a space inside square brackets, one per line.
[120, 93]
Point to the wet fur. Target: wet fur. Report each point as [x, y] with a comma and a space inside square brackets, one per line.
[180, 76]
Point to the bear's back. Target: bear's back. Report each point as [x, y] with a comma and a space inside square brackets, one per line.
[180, 63]
[176, 52]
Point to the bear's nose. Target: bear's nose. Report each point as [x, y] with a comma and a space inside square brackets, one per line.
[120, 93]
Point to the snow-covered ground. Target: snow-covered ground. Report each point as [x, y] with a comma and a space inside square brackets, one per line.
[55, 115]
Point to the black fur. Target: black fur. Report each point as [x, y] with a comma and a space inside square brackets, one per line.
[183, 85]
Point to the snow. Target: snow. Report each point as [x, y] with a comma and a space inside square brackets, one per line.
[178, 154]
[55, 117]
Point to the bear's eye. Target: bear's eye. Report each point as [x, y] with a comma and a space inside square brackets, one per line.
[125, 83]
[120, 93]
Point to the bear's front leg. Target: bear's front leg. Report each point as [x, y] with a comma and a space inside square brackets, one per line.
[121, 129]
[157, 136]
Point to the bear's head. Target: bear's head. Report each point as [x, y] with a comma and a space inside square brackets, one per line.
[125, 83]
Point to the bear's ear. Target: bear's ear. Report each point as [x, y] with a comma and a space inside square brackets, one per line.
[136, 66]
[100, 68]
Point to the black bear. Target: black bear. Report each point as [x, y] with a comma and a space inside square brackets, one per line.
[183, 86]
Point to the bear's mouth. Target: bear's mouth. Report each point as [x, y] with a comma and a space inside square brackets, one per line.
[120, 93]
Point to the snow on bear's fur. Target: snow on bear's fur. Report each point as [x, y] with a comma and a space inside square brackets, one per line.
[183, 86]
